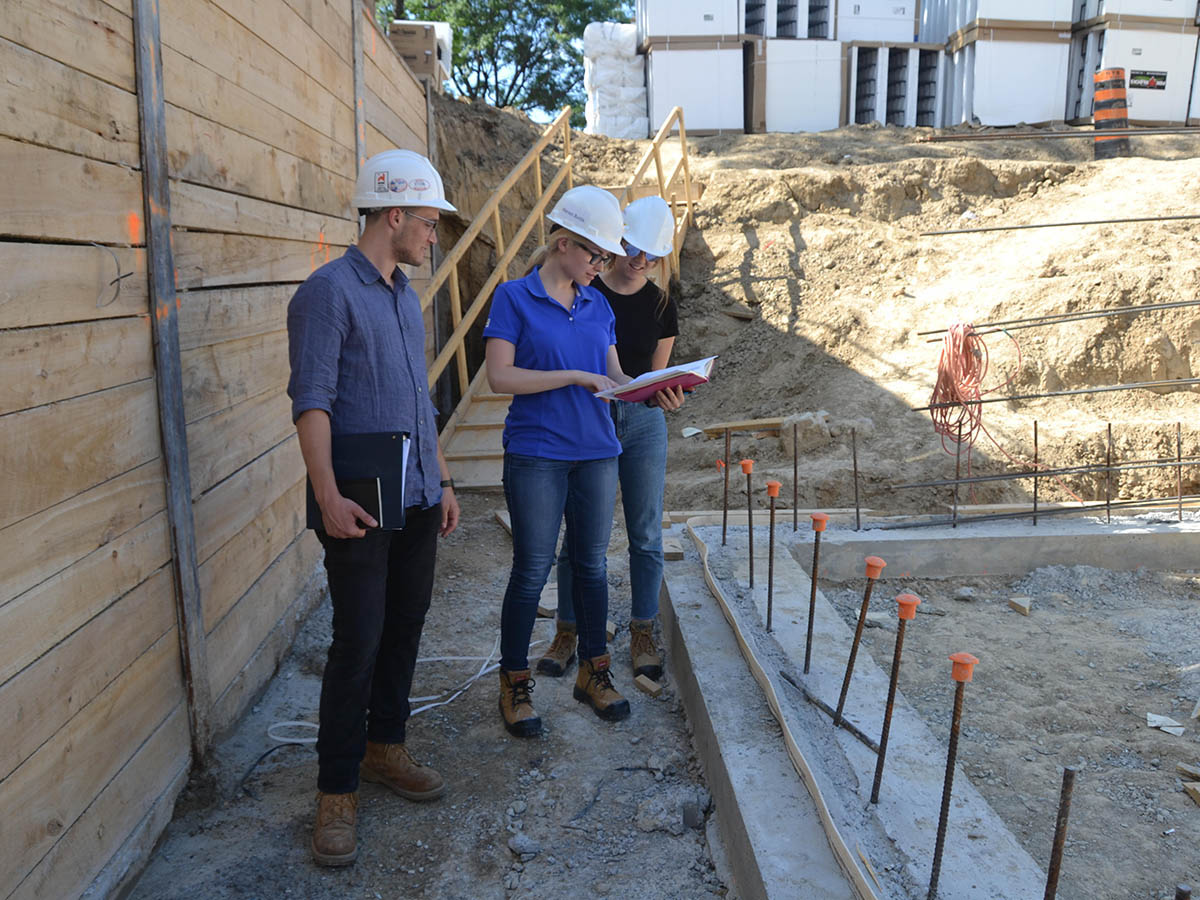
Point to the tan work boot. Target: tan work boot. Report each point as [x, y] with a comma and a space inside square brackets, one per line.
[593, 686]
[561, 652]
[646, 658]
[392, 766]
[516, 704]
[333, 840]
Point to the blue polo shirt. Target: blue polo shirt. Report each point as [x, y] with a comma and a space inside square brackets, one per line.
[567, 422]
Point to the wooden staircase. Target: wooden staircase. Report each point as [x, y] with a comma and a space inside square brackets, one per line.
[472, 438]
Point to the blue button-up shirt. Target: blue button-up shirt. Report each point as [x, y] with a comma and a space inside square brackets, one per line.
[357, 351]
[569, 422]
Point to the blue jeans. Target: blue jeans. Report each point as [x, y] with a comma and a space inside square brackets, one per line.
[642, 468]
[539, 493]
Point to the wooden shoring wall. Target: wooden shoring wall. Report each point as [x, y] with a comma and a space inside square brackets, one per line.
[257, 107]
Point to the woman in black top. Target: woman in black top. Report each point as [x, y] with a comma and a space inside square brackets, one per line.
[646, 326]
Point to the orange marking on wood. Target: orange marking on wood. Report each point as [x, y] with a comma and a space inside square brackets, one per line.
[372, 41]
[134, 223]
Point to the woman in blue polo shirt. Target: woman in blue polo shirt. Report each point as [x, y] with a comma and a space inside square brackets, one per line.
[551, 343]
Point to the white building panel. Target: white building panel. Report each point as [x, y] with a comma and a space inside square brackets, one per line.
[1159, 67]
[1017, 82]
[804, 85]
[706, 83]
[893, 21]
[1158, 9]
[679, 18]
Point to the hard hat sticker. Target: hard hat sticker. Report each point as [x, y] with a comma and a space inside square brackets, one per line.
[398, 185]
[381, 182]
[420, 184]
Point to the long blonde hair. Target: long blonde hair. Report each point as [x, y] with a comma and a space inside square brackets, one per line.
[540, 255]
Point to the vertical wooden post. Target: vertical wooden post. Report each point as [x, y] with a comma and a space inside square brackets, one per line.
[360, 91]
[164, 308]
[687, 169]
[537, 183]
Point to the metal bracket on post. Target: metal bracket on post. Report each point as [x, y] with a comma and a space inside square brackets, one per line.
[164, 309]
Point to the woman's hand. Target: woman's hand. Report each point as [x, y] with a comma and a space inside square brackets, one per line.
[593, 381]
[668, 399]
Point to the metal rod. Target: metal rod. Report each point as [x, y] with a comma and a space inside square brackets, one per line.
[812, 598]
[1179, 466]
[1053, 135]
[725, 500]
[820, 704]
[1057, 318]
[771, 568]
[1061, 225]
[1108, 478]
[1059, 511]
[854, 453]
[750, 525]
[795, 477]
[947, 787]
[957, 473]
[1178, 382]
[891, 698]
[1036, 480]
[1046, 473]
[862, 621]
[1060, 832]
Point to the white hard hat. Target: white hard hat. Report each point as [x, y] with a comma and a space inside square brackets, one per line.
[400, 178]
[592, 213]
[650, 226]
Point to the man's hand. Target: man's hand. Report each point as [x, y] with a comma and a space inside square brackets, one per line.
[450, 512]
[668, 399]
[341, 517]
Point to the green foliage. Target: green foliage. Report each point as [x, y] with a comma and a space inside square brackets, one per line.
[522, 53]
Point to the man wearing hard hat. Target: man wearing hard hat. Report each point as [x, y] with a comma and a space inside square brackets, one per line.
[379, 489]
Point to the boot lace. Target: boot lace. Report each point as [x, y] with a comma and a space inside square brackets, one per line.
[521, 692]
[602, 678]
[337, 808]
[642, 643]
[561, 645]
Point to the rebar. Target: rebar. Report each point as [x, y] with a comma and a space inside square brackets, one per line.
[1178, 382]
[1060, 225]
[854, 454]
[750, 522]
[1036, 479]
[876, 564]
[1057, 511]
[1108, 478]
[961, 673]
[819, 520]
[820, 704]
[1179, 466]
[911, 601]
[1060, 832]
[1053, 135]
[795, 477]
[725, 499]
[1059, 318]
[957, 473]
[1048, 473]
[771, 567]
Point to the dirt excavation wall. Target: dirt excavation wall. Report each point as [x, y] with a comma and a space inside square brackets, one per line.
[260, 155]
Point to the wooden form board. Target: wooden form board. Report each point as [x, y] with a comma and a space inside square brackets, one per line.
[224, 260]
[91, 36]
[226, 441]
[45, 284]
[218, 376]
[228, 314]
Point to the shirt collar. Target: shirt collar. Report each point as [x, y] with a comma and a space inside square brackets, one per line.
[533, 283]
[366, 271]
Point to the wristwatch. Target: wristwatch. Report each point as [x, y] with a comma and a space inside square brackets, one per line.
[449, 482]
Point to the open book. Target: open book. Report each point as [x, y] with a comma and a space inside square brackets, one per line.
[646, 386]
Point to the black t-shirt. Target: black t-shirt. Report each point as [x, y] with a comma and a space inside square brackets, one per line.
[639, 329]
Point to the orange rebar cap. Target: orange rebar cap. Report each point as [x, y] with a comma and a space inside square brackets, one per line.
[773, 488]
[874, 566]
[747, 466]
[964, 665]
[908, 605]
[720, 464]
[819, 520]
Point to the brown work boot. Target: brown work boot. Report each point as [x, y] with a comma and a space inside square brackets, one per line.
[516, 704]
[392, 766]
[561, 652]
[593, 686]
[646, 658]
[333, 840]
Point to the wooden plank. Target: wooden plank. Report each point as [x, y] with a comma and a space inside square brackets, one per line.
[81, 114]
[475, 440]
[205, 92]
[277, 23]
[228, 314]
[717, 430]
[223, 512]
[46, 694]
[395, 131]
[87, 35]
[49, 791]
[57, 362]
[220, 444]
[208, 35]
[330, 20]
[200, 208]
[477, 474]
[105, 199]
[388, 76]
[144, 789]
[46, 543]
[234, 640]
[54, 452]
[48, 283]
[233, 569]
[264, 662]
[219, 376]
[486, 412]
[38, 619]
[218, 260]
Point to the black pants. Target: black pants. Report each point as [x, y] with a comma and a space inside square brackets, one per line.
[380, 585]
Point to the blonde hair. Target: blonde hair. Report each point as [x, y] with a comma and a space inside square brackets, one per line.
[541, 254]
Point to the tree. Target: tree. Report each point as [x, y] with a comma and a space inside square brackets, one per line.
[522, 53]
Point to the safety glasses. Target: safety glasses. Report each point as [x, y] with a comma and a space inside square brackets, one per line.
[431, 224]
[632, 251]
[594, 256]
